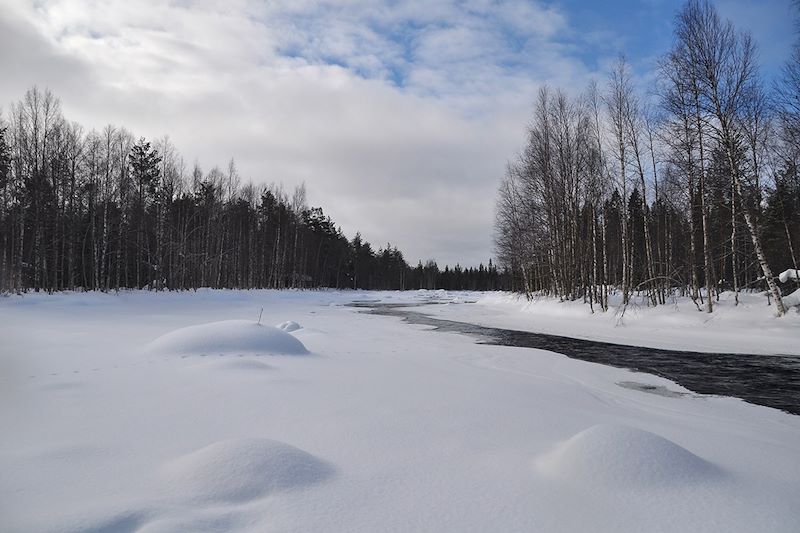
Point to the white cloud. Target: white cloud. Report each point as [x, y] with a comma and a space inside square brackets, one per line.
[398, 116]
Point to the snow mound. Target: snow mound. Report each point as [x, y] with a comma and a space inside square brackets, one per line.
[792, 300]
[624, 457]
[289, 326]
[786, 275]
[242, 469]
[228, 337]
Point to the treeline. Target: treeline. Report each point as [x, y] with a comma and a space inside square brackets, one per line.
[489, 278]
[696, 190]
[104, 211]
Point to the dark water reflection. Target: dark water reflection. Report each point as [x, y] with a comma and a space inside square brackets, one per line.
[770, 380]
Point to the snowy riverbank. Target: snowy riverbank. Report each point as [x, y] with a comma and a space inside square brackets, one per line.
[749, 327]
[116, 418]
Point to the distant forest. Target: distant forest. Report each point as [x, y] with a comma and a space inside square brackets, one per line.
[689, 188]
[105, 211]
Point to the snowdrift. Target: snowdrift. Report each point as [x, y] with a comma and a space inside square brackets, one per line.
[625, 457]
[792, 300]
[786, 275]
[228, 337]
[289, 326]
[384, 428]
[239, 470]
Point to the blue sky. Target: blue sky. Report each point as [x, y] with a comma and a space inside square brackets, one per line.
[398, 115]
[644, 28]
[393, 44]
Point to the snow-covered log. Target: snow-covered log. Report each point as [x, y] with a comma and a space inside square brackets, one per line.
[792, 300]
[791, 273]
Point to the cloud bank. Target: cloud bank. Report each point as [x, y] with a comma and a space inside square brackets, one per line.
[398, 115]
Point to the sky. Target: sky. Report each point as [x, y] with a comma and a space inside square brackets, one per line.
[398, 115]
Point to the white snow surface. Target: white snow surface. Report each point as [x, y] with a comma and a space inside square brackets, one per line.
[385, 427]
[241, 470]
[228, 337]
[749, 327]
[623, 457]
[289, 326]
[786, 275]
[792, 300]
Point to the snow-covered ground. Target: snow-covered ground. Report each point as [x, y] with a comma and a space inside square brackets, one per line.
[146, 412]
[749, 327]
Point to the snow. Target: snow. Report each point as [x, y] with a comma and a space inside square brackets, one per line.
[792, 300]
[241, 469]
[228, 337]
[749, 327]
[387, 427]
[786, 275]
[289, 326]
[611, 456]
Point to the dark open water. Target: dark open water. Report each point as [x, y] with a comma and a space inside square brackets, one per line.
[770, 380]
